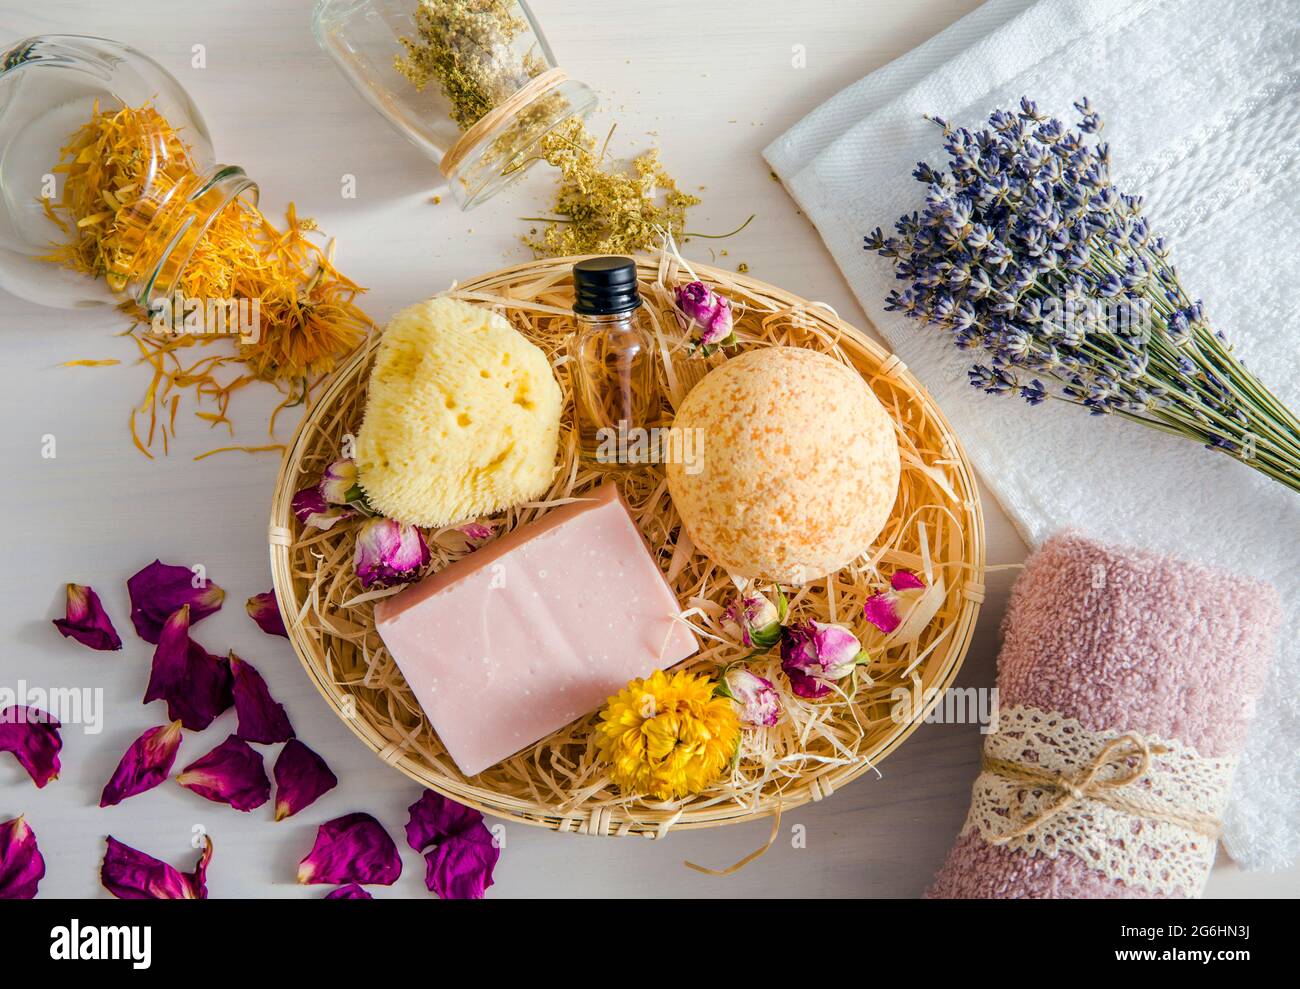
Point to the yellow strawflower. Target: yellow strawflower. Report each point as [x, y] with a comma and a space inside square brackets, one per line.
[667, 736]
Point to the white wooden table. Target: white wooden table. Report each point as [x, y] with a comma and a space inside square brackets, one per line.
[711, 83]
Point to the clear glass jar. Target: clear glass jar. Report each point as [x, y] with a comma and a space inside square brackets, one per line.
[50, 86]
[471, 58]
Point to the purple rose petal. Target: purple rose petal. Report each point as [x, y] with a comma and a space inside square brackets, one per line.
[434, 817]
[264, 610]
[349, 892]
[354, 848]
[301, 777]
[130, 874]
[196, 685]
[21, 866]
[312, 510]
[883, 610]
[261, 719]
[147, 762]
[905, 580]
[459, 865]
[86, 621]
[232, 773]
[33, 737]
[159, 590]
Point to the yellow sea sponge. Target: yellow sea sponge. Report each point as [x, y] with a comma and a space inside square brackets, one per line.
[462, 416]
[800, 465]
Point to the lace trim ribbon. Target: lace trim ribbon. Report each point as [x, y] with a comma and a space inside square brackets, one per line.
[1141, 811]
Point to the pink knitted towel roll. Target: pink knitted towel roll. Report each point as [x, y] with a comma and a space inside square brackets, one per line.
[1100, 642]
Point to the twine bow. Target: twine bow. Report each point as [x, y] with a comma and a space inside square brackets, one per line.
[1129, 756]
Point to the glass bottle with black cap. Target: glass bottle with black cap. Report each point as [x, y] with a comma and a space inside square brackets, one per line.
[615, 389]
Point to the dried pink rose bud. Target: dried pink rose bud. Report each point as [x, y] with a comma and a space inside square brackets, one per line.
[755, 696]
[301, 777]
[463, 855]
[196, 685]
[354, 848]
[130, 874]
[261, 719]
[754, 620]
[232, 773]
[147, 762]
[312, 510]
[718, 330]
[389, 552]
[707, 312]
[21, 866]
[349, 892]
[695, 300]
[86, 621]
[338, 485]
[33, 737]
[159, 590]
[815, 654]
[264, 610]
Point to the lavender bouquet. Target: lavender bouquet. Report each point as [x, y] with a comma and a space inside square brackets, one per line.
[1026, 251]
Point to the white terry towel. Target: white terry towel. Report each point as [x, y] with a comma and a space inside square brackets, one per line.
[1201, 100]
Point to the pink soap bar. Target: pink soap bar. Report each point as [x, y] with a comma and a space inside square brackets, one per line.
[534, 630]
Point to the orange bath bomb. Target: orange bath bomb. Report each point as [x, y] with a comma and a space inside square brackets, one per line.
[798, 469]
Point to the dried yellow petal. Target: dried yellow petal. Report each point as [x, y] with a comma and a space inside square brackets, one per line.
[130, 159]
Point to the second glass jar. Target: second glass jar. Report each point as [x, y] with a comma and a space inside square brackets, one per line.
[458, 79]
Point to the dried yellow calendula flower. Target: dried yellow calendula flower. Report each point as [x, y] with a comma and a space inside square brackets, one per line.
[133, 161]
[668, 736]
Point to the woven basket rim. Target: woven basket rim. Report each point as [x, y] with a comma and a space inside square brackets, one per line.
[601, 821]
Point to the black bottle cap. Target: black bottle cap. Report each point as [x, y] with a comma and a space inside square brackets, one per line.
[603, 286]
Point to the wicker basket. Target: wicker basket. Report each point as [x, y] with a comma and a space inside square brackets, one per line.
[349, 666]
